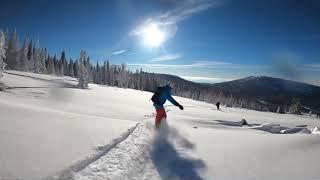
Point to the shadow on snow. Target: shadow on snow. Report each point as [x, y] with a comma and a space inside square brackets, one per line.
[171, 164]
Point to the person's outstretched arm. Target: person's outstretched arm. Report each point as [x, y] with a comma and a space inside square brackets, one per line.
[174, 102]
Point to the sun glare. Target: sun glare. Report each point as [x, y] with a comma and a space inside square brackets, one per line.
[153, 36]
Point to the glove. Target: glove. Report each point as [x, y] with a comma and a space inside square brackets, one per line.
[180, 106]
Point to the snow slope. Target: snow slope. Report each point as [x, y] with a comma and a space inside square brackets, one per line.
[51, 130]
[47, 127]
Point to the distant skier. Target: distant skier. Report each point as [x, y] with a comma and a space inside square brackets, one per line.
[159, 98]
[218, 105]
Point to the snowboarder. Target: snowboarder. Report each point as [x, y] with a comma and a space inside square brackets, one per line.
[159, 98]
[218, 105]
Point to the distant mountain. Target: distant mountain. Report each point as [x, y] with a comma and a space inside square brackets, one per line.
[263, 90]
[272, 90]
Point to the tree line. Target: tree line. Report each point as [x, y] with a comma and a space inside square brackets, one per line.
[30, 57]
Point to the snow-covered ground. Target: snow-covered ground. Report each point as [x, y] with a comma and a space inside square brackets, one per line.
[51, 130]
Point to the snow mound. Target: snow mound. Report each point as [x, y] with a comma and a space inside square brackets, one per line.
[269, 127]
[299, 130]
[240, 123]
[316, 130]
[278, 129]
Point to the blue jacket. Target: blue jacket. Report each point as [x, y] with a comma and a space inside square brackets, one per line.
[164, 96]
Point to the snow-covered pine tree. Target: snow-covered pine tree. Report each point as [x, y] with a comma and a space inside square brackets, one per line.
[96, 74]
[2, 53]
[65, 66]
[56, 65]
[62, 63]
[76, 68]
[122, 75]
[35, 61]
[295, 107]
[45, 60]
[115, 76]
[50, 67]
[83, 71]
[59, 71]
[30, 46]
[12, 51]
[103, 73]
[42, 59]
[31, 59]
[71, 71]
[22, 58]
[88, 68]
[108, 78]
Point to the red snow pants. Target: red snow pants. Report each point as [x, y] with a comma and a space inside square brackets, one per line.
[161, 113]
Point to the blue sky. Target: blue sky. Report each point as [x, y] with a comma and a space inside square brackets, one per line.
[203, 40]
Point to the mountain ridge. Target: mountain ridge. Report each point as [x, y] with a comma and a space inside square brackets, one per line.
[273, 90]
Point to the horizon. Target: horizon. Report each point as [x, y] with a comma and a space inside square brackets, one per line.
[204, 81]
[204, 41]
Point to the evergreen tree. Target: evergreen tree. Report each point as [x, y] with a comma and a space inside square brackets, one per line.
[42, 59]
[2, 53]
[295, 107]
[62, 64]
[30, 50]
[22, 58]
[12, 51]
[115, 74]
[31, 60]
[71, 71]
[83, 71]
[97, 75]
[60, 68]
[88, 68]
[46, 59]
[35, 59]
[56, 65]
[108, 74]
[104, 73]
[37, 65]
[76, 69]
[50, 67]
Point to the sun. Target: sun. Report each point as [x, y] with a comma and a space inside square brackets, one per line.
[152, 36]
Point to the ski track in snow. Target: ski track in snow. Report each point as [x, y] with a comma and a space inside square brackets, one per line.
[101, 151]
[146, 154]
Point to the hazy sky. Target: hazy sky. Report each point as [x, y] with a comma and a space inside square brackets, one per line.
[201, 40]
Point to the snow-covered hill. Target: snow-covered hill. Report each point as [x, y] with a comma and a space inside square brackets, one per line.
[277, 91]
[51, 130]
